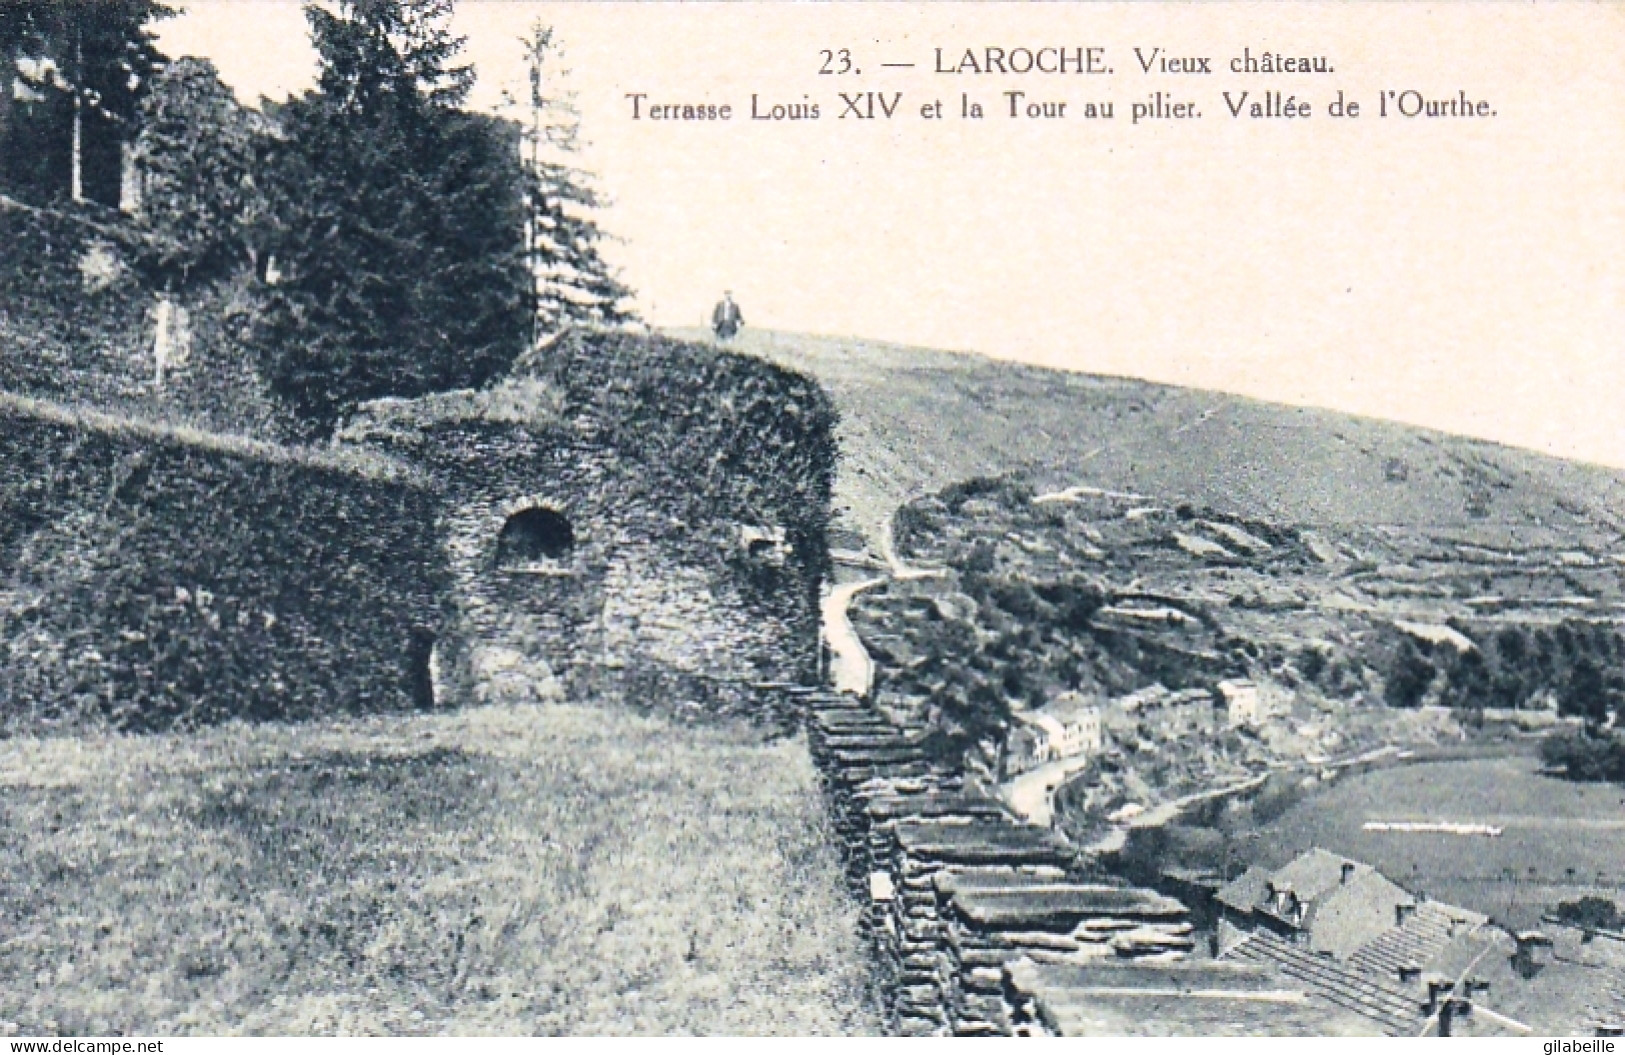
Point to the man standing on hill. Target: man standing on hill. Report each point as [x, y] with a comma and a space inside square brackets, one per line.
[726, 318]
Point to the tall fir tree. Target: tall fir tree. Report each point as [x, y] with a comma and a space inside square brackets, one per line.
[573, 283]
[398, 220]
[377, 52]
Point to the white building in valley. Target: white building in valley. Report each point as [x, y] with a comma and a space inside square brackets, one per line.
[1247, 702]
[1069, 725]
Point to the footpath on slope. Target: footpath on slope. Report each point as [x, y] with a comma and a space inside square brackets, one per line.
[851, 668]
[900, 570]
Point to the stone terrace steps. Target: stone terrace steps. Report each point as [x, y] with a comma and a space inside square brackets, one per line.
[1179, 976]
[1059, 905]
[955, 885]
[1396, 1012]
[981, 842]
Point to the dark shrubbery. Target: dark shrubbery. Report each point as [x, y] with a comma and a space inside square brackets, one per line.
[1410, 676]
[71, 311]
[1575, 663]
[76, 320]
[1009, 492]
[1586, 754]
[197, 153]
[914, 526]
[1591, 913]
[1278, 795]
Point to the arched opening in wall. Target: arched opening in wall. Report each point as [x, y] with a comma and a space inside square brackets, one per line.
[534, 536]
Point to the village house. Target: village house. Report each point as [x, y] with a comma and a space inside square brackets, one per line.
[1246, 702]
[1347, 910]
[1412, 965]
[1068, 726]
[1329, 903]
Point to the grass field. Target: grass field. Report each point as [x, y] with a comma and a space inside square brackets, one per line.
[1558, 836]
[498, 870]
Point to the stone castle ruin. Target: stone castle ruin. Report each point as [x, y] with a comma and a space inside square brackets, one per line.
[577, 531]
[601, 534]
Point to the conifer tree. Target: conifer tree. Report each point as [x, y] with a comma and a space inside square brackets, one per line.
[572, 281]
[398, 220]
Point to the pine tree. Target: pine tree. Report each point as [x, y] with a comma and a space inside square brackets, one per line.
[573, 282]
[398, 220]
[377, 52]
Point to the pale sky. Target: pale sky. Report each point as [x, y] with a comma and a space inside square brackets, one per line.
[1461, 273]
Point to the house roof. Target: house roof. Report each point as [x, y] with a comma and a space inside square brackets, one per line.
[1317, 873]
[1046, 723]
[1070, 705]
[1315, 877]
[1474, 953]
[1053, 718]
[1342, 919]
[1174, 999]
[1244, 891]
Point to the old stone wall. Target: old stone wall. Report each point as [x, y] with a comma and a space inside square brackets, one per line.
[153, 577]
[695, 501]
[78, 324]
[957, 889]
[562, 534]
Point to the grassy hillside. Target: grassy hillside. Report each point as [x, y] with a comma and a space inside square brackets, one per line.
[914, 421]
[499, 870]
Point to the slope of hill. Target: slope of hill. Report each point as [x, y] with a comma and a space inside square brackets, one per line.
[914, 421]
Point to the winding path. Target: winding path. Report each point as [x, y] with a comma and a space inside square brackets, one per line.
[851, 668]
[1032, 794]
[900, 570]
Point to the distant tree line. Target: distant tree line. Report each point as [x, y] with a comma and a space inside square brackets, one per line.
[1575, 664]
[398, 243]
